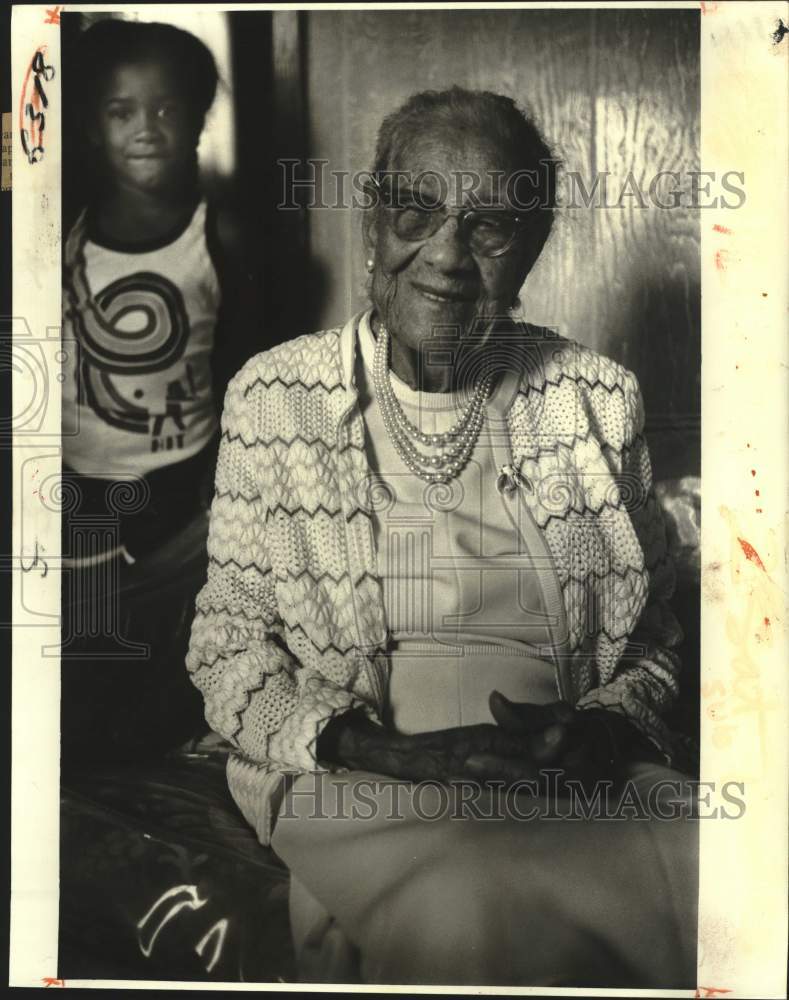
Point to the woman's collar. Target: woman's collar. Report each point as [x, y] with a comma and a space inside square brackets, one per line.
[348, 344]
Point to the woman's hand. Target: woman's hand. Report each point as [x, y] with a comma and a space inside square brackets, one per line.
[483, 752]
[595, 743]
[588, 746]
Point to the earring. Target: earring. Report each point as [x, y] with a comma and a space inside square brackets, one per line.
[370, 263]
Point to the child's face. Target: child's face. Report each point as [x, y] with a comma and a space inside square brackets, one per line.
[147, 130]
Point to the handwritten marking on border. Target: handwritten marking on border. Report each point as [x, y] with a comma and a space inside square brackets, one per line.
[33, 103]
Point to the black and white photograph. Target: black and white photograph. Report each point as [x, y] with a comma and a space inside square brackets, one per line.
[373, 492]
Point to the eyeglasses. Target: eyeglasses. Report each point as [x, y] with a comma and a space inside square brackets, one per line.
[487, 232]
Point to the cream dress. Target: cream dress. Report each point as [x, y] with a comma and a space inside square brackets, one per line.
[393, 883]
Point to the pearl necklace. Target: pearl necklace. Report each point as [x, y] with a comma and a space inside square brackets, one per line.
[454, 446]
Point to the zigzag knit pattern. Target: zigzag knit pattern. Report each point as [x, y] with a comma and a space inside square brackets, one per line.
[289, 628]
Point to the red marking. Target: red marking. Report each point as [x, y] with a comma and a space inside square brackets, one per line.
[53, 15]
[720, 260]
[24, 91]
[753, 472]
[709, 991]
[759, 510]
[709, 8]
[767, 622]
[751, 554]
[722, 229]
[51, 981]
[758, 494]
[35, 99]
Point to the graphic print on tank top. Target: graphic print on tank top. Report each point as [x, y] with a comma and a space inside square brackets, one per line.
[140, 395]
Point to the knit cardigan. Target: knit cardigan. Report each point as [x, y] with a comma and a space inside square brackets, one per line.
[290, 627]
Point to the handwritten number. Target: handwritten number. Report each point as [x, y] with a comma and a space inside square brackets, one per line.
[34, 154]
[42, 71]
[40, 89]
[36, 561]
[36, 116]
[42, 68]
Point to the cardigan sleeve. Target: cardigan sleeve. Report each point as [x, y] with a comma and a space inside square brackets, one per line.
[645, 682]
[257, 695]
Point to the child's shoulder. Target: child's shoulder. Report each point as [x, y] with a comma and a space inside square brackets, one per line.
[114, 224]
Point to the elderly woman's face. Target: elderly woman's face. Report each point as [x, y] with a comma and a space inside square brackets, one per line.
[441, 281]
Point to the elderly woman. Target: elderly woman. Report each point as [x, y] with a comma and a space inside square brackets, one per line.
[435, 621]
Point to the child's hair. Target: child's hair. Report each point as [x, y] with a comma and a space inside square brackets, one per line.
[112, 42]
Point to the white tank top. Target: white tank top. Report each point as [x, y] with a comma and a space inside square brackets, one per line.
[137, 393]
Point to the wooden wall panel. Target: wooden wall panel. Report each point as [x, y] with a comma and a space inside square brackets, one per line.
[612, 90]
[647, 121]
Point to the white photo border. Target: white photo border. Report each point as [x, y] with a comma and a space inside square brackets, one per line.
[744, 681]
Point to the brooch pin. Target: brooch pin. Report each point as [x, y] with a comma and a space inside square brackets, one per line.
[510, 479]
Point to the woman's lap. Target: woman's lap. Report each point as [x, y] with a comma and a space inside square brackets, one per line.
[395, 896]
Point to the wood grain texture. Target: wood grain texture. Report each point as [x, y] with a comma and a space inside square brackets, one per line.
[613, 90]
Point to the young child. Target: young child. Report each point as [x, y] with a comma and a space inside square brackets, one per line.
[145, 271]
